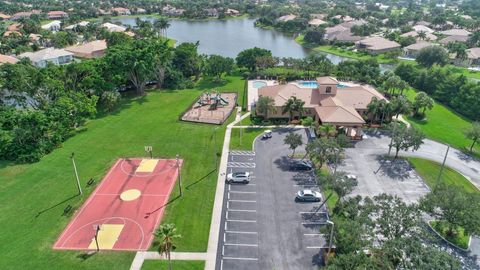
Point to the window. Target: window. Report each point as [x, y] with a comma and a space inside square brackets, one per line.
[329, 90]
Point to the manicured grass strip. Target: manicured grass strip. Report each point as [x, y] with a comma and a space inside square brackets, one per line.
[332, 201]
[35, 195]
[459, 238]
[443, 125]
[429, 171]
[248, 135]
[180, 265]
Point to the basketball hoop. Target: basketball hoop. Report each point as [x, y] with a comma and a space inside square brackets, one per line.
[97, 228]
[149, 150]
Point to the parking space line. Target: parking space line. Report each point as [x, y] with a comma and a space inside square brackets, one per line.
[318, 212]
[247, 192]
[240, 232]
[314, 234]
[315, 247]
[241, 245]
[241, 220]
[242, 201]
[314, 223]
[239, 258]
[241, 210]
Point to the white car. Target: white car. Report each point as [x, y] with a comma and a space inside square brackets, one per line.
[351, 177]
[238, 177]
[308, 195]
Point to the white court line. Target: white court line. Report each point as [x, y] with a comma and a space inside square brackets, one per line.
[240, 245]
[241, 220]
[238, 258]
[118, 194]
[240, 210]
[240, 232]
[242, 201]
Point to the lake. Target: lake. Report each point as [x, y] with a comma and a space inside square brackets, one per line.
[229, 37]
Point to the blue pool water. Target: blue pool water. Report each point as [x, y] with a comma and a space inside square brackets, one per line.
[259, 84]
[313, 84]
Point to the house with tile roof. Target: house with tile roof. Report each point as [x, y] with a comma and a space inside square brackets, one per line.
[93, 49]
[344, 106]
[48, 55]
[376, 45]
[412, 51]
[57, 15]
[121, 11]
[456, 32]
[415, 34]
[7, 59]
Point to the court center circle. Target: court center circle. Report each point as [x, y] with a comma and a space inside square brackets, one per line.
[130, 195]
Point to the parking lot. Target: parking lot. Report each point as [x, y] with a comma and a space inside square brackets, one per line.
[377, 174]
[262, 225]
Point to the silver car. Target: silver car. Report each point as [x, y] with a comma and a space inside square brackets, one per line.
[308, 195]
[238, 177]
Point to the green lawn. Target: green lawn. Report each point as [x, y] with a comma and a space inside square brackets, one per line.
[429, 171]
[180, 265]
[248, 135]
[466, 72]
[460, 239]
[48, 186]
[443, 125]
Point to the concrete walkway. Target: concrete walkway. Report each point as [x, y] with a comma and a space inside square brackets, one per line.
[210, 256]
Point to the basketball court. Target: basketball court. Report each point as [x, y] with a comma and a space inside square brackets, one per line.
[125, 208]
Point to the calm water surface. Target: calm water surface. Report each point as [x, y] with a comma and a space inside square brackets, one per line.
[229, 37]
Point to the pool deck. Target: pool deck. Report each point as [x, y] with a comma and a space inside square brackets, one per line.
[253, 92]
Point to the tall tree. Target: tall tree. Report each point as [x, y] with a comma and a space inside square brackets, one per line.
[248, 58]
[422, 102]
[431, 55]
[404, 138]
[293, 140]
[294, 105]
[265, 105]
[167, 234]
[216, 65]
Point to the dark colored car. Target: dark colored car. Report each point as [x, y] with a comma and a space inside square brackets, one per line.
[300, 165]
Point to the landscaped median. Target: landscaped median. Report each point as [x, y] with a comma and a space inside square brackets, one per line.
[429, 171]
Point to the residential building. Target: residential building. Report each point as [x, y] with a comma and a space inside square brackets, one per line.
[89, 50]
[57, 15]
[428, 36]
[320, 16]
[474, 56]
[344, 18]
[456, 32]
[329, 103]
[449, 39]
[287, 18]
[340, 33]
[114, 27]
[140, 11]
[48, 55]
[52, 26]
[422, 28]
[121, 11]
[7, 59]
[411, 51]
[316, 22]
[211, 12]
[13, 27]
[376, 45]
[21, 15]
[4, 17]
[172, 11]
[73, 26]
[232, 12]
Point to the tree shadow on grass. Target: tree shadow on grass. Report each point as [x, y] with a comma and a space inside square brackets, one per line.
[56, 205]
[147, 215]
[86, 255]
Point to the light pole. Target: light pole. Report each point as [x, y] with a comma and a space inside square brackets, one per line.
[391, 139]
[179, 175]
[76, 174]
[443, 165]
[331, 239]
[97, 228]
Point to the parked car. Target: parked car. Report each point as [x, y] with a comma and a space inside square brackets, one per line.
[300, 165]
[351, 177]
[267, 134]
[238, 177]
[308, 195]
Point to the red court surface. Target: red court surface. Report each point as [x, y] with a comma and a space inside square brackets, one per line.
[128, 205]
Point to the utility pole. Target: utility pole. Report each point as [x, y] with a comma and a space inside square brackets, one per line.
[337, 153]
[391, 139]
[179, 175]
[76, 174]
[443, 165]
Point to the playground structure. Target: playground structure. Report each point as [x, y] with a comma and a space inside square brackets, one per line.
[211, 107]
[213, 100]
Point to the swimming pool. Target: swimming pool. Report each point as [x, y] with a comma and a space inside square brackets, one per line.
[341, 85]
[308, 84]
[259, 84]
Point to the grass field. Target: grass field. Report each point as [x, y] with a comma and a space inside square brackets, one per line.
[443, 125]
[246, 141]
[46, 187]
[180, 265]
[429, 171]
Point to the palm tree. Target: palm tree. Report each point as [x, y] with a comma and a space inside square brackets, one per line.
[265, 105]
[373, 108]
[167, 234]
[161, 26]
[422, 35]
[327, 130]
[292, 105]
